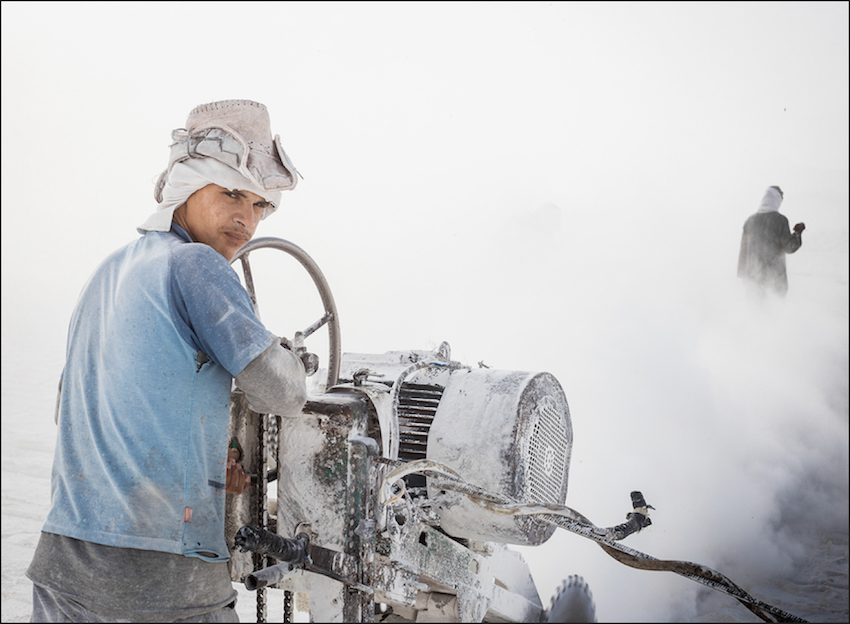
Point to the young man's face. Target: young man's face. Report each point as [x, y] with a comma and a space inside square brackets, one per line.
[223, 219]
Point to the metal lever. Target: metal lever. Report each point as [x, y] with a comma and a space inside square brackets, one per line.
[270, 544]
[294, 553]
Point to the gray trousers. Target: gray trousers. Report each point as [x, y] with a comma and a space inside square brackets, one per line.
[49, 606]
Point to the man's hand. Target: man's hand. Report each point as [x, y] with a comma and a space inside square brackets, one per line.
[309, 360]
[799, 227]
[237, 480]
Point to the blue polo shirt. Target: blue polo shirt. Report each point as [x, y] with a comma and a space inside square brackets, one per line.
[159, 331]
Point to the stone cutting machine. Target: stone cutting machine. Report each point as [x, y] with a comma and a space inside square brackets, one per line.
[375, 503]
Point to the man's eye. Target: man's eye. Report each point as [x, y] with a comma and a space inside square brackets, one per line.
[230, 194]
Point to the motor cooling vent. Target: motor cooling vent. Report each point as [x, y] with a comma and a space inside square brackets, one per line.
[417, 405]
[547, 455]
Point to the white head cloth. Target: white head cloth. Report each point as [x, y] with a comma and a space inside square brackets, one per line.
[192, 175]
[772, 200]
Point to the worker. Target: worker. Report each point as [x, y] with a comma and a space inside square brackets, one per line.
[135, 531]
[765, 241]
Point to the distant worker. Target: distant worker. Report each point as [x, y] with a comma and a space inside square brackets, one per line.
[765, 241]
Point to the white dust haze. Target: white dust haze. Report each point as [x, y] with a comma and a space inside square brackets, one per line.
[546, 186]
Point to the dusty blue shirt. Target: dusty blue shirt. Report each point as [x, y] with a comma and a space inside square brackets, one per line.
[159, 331]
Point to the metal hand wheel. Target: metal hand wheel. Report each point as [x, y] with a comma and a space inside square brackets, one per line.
[330, 318]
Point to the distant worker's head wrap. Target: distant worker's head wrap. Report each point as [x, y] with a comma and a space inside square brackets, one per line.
[772, 200]
[228, 143]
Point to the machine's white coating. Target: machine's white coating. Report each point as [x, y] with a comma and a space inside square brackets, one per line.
[507, 432]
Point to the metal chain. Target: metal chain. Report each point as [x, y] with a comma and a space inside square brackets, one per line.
[287, 607]
[271, 437]
[262, 512]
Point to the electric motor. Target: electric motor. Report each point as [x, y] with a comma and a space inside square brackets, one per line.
[507, 432]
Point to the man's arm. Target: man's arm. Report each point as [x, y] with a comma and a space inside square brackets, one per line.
[274, 382]
[793, 242]
[58, 399]
[787, 240]
[744, 255]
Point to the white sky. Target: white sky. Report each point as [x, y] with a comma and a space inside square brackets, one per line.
[436, 121]
[537, 183]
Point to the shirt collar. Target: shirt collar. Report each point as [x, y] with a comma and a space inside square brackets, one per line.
[181, 232]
